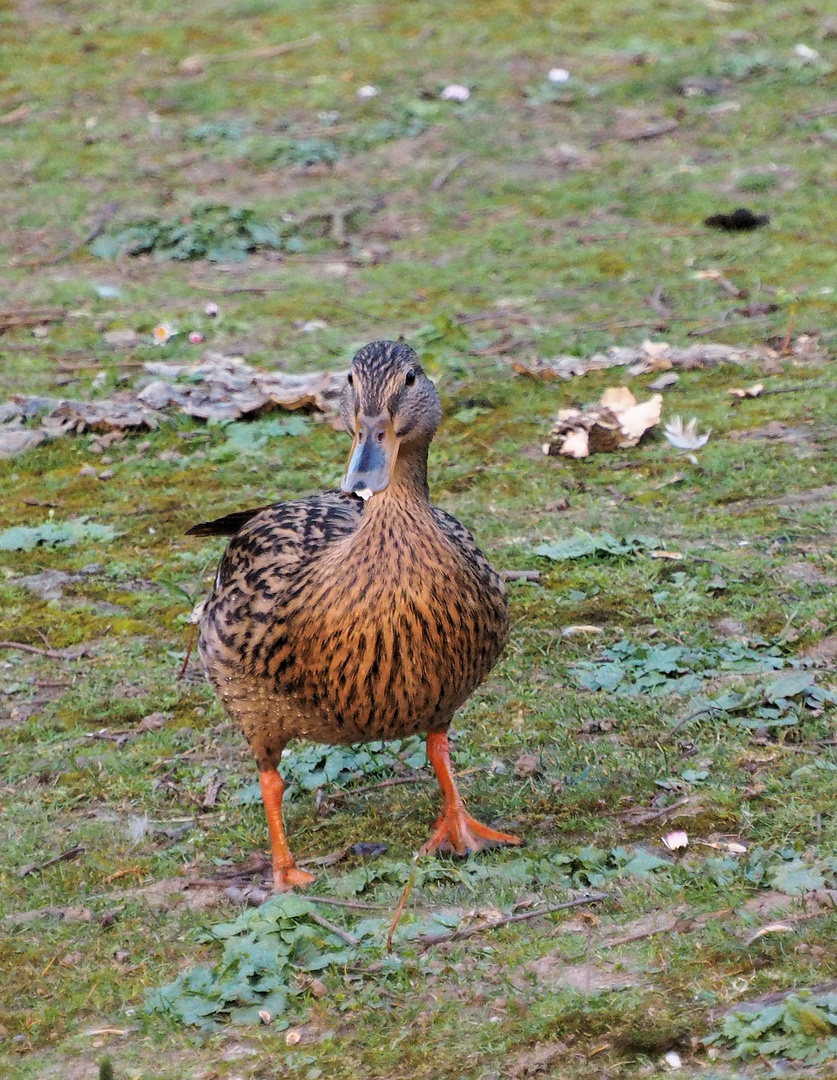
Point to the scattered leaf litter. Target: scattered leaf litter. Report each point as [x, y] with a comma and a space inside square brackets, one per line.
[650, 356]
[617, 422]
[219, 387]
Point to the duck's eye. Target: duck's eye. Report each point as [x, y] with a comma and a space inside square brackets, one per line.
[350, 379]
[409, 378]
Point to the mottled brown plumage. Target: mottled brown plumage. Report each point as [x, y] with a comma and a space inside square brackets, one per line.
[344, 618]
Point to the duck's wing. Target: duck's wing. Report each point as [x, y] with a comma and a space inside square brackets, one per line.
[275, 539]
[230, 524]
[466, 545]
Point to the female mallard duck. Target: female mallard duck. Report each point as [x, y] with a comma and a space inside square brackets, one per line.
[358, 614]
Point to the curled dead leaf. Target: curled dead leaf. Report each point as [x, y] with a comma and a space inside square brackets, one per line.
[747, 392]
[771, 928]
[615, 423]
[582, 628]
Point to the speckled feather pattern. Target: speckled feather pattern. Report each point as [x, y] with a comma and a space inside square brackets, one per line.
[341, 622]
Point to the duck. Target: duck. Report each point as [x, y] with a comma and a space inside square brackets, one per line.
[358, 614]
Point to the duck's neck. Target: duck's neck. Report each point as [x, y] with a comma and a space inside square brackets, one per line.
[409, 474]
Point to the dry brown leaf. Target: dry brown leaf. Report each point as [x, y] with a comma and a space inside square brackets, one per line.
[527, 764]
[17, 439]
[618, 399]
[638, 419]
[650, 356]
[617, 422]
[576, 444]
[674, 555]
[748, 391]
[771, 928]
[582, 628]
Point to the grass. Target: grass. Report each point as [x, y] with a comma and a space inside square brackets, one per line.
[546, 238]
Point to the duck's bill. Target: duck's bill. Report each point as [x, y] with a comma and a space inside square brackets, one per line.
[370, 466]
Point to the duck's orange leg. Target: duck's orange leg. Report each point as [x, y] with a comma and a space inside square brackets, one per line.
[455, 830]
[286, 874]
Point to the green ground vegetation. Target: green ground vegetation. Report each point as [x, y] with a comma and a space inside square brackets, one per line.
[639, 695]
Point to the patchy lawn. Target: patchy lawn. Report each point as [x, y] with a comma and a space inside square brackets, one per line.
[671, 668]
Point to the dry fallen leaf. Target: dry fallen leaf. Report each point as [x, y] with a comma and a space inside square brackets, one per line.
[772, 928]
[615, 423]
[674, 555]
[582, 628]
[664, 381]
[527, 764]
[648, 357]
[748, 391]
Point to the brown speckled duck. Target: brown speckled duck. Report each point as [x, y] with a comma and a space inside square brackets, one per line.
[358, 614]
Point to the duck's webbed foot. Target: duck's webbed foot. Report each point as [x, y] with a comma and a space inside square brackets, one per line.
[286, 878]
[286, 874]
[456, 830]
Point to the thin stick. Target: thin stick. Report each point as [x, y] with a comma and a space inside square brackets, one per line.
[439, 181]
[375, 787]
[264, 52]
[798, 389]
[402, 903]
[358, 905]
[55, 654]
[426, 940]
[653, 815]
[189, 648]
[98, 228]
[349, 938]
[698, 712]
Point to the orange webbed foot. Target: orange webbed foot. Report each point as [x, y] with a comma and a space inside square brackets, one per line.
[286, 878]
[458, 832]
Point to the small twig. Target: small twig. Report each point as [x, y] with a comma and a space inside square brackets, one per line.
[33, 868]
[799, 388]
[97, 229]
[374, 787]
[264, 52]
[821, 110]
[189, 648]
[426, 940]
[652, 815]
[692, 716]
[13, 320]
[520, 575]
[441, 178]
[402, 903]
[639, 935]
[54, 654]
[355, 904]
[326, 924]
[656, 301]
[338, 215]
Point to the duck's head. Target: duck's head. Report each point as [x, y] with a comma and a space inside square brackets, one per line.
[390, 407]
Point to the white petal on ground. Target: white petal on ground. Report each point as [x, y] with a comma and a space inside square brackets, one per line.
[558, 75]
[455, 92]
